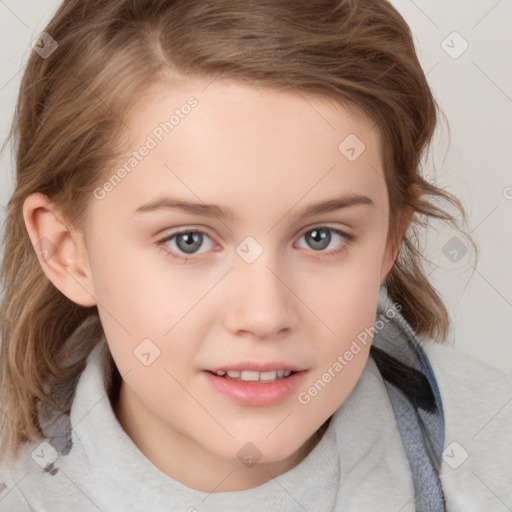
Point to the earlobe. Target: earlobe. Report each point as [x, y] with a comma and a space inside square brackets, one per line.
[59, 249]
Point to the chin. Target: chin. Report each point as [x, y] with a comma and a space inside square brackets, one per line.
[274, 449]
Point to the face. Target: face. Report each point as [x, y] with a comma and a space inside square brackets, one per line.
[206, 255]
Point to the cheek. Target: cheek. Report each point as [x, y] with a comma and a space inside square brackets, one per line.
[352, 326]
[347, 298]
[349, 311]
[144, 309]
[128, 283]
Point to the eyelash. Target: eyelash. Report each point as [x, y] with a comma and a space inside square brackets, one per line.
[349, 239]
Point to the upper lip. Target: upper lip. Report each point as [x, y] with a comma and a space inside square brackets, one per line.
[254, 366]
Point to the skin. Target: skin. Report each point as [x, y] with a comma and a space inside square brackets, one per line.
[264, 155]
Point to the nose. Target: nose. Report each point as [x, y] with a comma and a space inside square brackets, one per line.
[261, 300]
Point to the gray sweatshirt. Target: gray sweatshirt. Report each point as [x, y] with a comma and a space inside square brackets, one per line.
[359, 465]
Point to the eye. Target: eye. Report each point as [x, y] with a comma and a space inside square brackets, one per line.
[186, 242]
[320, 237]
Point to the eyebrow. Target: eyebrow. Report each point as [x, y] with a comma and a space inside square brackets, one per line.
[213, 210]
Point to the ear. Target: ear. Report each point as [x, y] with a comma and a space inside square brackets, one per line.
[60, 249]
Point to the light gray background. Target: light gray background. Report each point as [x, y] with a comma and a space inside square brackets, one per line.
[474, 90]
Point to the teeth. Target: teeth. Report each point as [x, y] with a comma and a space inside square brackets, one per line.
[251, 376]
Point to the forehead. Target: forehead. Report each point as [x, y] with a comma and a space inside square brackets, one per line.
[218, 140]
[226, 103]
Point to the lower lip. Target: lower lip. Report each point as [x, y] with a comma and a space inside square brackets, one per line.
[256, 394]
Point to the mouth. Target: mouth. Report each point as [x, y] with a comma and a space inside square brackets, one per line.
[253, 384]
[253, 376]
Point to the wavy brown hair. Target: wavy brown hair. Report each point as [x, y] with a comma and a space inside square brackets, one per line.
[69, 120]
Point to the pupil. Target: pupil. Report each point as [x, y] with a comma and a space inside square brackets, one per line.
[192, 242]
[320, 236]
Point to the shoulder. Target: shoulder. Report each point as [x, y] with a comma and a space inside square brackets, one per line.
[477, 397]
[464, 376]
[477, 403]
[455, 362]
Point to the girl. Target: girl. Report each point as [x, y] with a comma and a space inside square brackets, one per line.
[290, 361]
